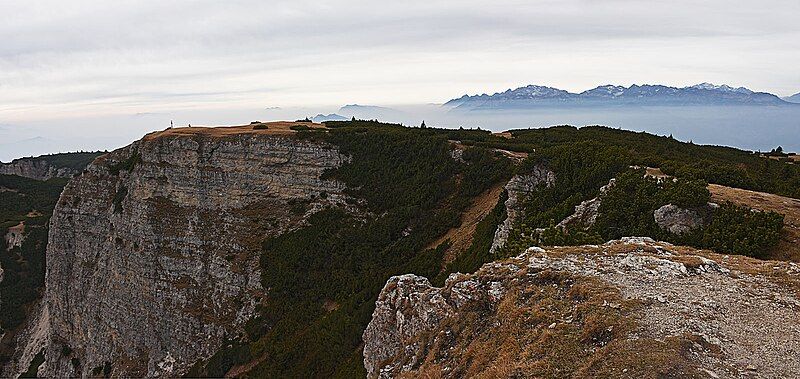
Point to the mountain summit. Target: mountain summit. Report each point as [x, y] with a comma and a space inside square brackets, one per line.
[647, 94]
[793, 99]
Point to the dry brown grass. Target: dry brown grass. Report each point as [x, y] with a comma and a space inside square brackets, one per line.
[513, 155]
[461, 237]
[788, 248]
[273, 128]
[655, 173]
[553, 326]
[794, 158]
[239, 371]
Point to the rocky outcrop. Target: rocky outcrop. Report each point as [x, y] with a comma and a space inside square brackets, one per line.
[517, 188]
[680, 221]
[586, 212]
[14, 236]
[628, 308]
[153, 254]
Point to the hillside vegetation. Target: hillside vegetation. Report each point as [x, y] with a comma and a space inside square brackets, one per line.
[28, 202]
[324, 278]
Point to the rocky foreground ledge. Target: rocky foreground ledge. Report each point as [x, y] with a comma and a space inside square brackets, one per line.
[629, 308]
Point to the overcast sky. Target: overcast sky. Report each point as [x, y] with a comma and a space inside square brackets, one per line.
[85, 58]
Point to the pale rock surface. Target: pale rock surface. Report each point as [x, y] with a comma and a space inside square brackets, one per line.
[743, 315]
[152, 269]
[35, 169]
[677, 220]
[586, 212]
[15, 236]
[517, 188]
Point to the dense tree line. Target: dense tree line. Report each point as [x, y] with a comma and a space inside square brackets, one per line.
[627, 209]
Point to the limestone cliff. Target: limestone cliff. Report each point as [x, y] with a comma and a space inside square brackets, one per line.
[153, 251]
[48, 166]
[518, 188]
[35, 169]
[632, 308]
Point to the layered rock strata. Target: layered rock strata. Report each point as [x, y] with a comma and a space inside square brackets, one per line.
[153, 254]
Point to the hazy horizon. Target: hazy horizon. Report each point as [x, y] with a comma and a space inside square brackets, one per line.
[736, 126]
[109, 72]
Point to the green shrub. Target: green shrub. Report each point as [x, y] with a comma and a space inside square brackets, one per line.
[126, 165]
[686, 193]
[24, 266]
[119, 196]
[33, 368]
[739, 230]
[627, 210]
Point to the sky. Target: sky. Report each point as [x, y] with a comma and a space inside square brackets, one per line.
[91, 62]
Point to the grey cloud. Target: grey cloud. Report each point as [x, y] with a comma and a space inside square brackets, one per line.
[156, 52]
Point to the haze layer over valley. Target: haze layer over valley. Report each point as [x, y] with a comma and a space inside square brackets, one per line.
[749, 127]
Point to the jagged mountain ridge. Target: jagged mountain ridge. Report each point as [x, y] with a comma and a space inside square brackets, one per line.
[700, 94]
[328, 117]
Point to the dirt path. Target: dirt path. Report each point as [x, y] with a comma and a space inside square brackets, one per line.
[788, 248]
[461, 237]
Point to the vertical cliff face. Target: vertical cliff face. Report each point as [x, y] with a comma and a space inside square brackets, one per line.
[65, 165]
[35, 169]
[153, 251]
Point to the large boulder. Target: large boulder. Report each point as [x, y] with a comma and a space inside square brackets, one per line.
[680, 221]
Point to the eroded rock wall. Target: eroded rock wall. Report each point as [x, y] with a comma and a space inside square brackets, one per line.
[35, 169]
[153, 253]
[517, 188]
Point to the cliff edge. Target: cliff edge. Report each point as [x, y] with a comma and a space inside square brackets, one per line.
[152, 261]
[629, 308]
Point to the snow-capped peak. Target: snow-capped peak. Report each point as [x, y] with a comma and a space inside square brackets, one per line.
[724, 88]
[606, 90]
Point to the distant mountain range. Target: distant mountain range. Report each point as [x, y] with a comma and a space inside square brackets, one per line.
[368, 112]
[328, 117]
[793, 99]
[653, 95]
